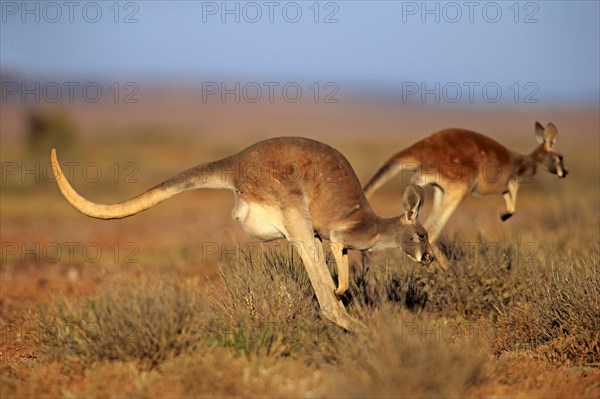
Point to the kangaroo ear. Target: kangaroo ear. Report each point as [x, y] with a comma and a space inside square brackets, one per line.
[411, 202]
[539, 132]
[550, 135]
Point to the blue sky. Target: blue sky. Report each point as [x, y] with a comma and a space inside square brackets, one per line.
[373, 44]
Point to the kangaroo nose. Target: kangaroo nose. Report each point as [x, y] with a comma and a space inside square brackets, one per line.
[564, 174]
[427, 258]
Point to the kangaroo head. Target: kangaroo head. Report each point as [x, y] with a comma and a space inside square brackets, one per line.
[548, 158]
[412, 238]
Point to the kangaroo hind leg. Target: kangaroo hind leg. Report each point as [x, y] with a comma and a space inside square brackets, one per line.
[300, 232]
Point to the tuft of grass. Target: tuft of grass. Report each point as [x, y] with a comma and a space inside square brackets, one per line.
[558, 315]
[479, 280]
[406, 355]
[42, 382]
[220, 373]
[143, 320]
[267, 307]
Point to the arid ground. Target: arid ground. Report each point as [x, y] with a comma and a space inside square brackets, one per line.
[179, 302]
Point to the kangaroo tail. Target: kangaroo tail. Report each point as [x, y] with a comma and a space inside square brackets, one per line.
[202, 176]
[389, 169]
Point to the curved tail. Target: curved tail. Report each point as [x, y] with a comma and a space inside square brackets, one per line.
[389, 169]
[202, 176]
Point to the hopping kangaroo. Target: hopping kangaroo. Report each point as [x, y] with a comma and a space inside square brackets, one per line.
[295, 189]
[457, 162]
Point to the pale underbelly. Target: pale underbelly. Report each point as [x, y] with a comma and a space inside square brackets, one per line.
[260, 222]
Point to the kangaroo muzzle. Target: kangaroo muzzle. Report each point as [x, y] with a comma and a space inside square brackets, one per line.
[427, 258]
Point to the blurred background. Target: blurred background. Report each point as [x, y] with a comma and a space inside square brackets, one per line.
[132, 92]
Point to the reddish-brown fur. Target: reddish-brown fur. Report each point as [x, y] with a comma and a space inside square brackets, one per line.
[293, 188]
[458, 162]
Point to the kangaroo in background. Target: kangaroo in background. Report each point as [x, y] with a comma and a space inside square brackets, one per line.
[459, 162]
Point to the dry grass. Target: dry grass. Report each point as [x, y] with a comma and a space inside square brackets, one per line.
[141, 320]
[408, 355]
[255, 333]
[267, 307]
[558, 314]
[214, 372]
